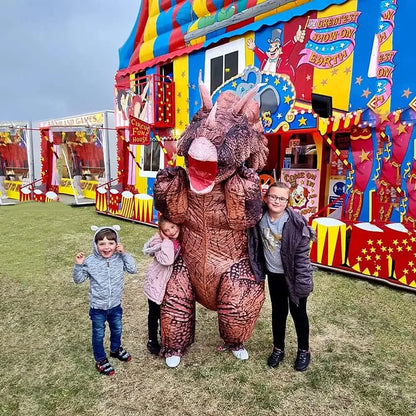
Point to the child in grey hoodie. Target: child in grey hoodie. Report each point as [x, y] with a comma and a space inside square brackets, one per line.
[105, 268]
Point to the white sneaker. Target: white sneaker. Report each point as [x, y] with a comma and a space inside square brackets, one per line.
[173, 361]
[241, 354]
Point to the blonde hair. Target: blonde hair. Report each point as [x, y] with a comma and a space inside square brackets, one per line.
[280, 185]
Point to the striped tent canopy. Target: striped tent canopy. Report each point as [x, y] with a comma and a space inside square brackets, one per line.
[168, 28]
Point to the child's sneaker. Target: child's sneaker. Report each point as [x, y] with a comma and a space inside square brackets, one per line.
[121, 354]
[303, 358]
[104, 367]
[153, 347]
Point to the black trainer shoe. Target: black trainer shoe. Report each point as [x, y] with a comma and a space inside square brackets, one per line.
[104, 367]
[153, 347]
[302, 360]
[121, 354]
[276, 358]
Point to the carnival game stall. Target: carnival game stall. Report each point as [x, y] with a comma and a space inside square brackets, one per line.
[144, 119]
[77, 154]
[18, 164]
[337, 104]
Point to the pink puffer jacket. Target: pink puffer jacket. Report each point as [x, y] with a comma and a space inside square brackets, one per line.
[159, 270]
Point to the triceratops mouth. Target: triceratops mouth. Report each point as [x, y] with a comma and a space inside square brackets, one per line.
[202, 174]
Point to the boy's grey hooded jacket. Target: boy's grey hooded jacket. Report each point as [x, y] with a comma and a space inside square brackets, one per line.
[106, 275]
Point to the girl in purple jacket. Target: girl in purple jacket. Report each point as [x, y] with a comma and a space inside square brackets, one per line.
[286, 240]
[164, 247]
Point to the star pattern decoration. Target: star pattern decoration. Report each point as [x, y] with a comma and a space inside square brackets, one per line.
[401, 129]
[324, 82]
[366, 93]
[364, 156]
[406, 93]
[384, 117]
[347, 70]
[358, 80]
[302, 121]
[334, 72]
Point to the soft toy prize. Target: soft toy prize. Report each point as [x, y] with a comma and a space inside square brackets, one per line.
[215, 200]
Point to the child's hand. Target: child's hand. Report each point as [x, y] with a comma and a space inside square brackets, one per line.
[79, 258]
[120, 248]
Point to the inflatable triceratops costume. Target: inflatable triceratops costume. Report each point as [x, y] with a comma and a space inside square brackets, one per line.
[215, 200]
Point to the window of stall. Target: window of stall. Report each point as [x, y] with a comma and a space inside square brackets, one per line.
[300, 152]
[223, 63]
[151, 159]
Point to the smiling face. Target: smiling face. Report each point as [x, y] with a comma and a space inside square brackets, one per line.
[275, 50]
[170, 230]
[106, 247]
[276, 200]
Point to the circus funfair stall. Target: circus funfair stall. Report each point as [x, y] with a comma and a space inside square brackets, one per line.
[77, 154]
[18, 164]
[337, 103]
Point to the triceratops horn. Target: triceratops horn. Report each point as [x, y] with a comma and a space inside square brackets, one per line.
[205, 95]
[210, 122]
[239, 105]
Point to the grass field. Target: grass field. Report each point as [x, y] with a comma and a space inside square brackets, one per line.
[363, 339]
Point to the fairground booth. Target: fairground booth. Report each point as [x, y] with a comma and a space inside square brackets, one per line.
[18, 166]
[77, 154]
[337, 102]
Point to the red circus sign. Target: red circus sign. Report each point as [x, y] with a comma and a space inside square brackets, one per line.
[139, 131]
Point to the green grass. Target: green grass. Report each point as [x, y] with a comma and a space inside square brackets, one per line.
[363, 339]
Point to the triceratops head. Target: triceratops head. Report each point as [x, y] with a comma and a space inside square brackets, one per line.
[220, 138]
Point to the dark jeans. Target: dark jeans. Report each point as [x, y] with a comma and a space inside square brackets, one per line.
[281, 304]
[98, 318]
[153, 319]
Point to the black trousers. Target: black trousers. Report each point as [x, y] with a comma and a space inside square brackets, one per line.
[281, 304]
[153, 319]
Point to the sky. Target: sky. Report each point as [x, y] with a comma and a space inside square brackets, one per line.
[58, 58]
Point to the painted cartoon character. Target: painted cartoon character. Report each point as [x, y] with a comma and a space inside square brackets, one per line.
[299, 196]
[216, 199]
[276, 58]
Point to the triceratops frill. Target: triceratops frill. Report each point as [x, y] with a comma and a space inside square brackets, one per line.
[215, 201]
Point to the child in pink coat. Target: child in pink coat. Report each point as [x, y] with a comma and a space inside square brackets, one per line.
[164, 247]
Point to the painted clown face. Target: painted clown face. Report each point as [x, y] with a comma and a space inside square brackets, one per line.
[299, 197]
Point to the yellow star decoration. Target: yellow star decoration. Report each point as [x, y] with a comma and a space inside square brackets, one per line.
[287, 99]
[302, 121]
[370, 242]
[234, 84]
[364, 155]
[384, 117]
[276, 81]
[401, 129]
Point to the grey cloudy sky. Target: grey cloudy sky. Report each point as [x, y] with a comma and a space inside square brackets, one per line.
[58, 58]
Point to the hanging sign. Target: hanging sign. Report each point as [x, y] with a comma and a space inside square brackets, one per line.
[139, 131]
